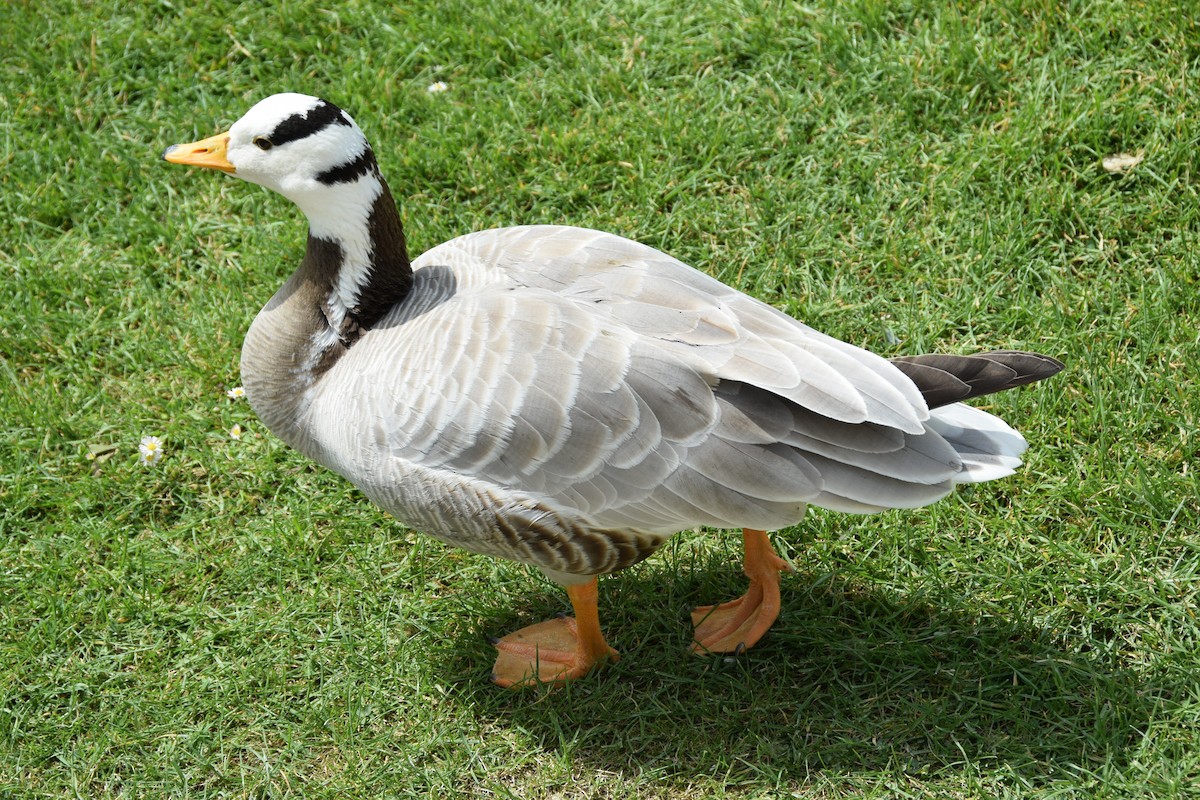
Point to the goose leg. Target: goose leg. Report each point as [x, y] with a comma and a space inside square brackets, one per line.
[558, 650]
[739, 624]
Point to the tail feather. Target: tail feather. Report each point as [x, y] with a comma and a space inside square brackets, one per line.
[946, 379]
[988, 446]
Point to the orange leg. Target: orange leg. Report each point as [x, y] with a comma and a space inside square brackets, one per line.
[558, 650]
[739, 624]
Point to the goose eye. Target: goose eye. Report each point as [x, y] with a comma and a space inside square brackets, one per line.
[263, 143]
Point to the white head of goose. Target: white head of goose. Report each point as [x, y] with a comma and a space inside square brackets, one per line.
[569, 398]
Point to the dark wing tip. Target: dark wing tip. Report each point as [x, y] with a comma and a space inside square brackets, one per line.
[944, 379]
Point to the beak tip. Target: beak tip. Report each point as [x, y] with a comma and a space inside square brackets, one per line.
[167, 153]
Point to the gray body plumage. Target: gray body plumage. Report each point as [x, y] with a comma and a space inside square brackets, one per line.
[569, 399]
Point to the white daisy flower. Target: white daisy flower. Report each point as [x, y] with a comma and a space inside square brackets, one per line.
[437, 87]
[235, 432]
[236, 393]
[151, 450]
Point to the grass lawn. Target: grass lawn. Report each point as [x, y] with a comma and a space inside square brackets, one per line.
[908, 176]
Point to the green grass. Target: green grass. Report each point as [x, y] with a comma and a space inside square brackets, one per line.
[911, 177]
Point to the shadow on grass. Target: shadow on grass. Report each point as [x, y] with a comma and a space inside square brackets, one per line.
[850, 680]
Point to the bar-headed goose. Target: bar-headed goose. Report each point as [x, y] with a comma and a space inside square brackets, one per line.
[569, 398]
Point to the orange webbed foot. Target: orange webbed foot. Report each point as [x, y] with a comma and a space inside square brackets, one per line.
[548, 652]
[558, 650]
[739, 624]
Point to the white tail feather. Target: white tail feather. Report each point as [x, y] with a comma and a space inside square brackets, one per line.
[988, 446]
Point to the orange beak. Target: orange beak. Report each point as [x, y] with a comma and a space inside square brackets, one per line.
[208, 153]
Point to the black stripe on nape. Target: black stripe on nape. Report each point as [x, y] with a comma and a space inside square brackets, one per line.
[317, 118]
[351, 170]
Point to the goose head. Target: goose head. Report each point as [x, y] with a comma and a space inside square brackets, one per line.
[313, 153]
[302, 147]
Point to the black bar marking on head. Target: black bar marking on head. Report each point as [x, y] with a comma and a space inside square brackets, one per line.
[351, 170]
[298, 126]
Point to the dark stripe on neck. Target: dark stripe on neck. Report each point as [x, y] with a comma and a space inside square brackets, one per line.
[298, 126]
[391, 275]
[350, 171]
[322, 260]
